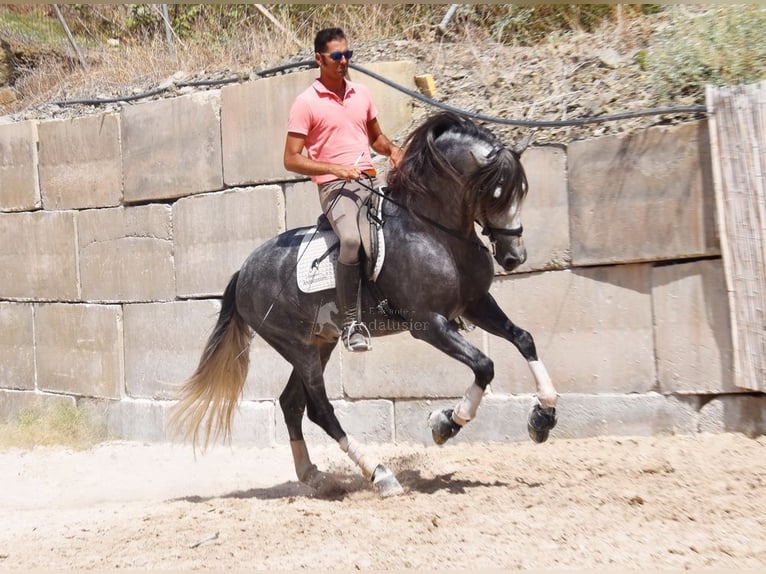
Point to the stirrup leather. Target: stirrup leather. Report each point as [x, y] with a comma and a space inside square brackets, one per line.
[357, 328]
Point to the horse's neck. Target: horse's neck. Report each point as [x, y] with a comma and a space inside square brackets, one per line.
[448, 214]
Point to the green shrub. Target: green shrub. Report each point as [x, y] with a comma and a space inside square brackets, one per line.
[721, 46]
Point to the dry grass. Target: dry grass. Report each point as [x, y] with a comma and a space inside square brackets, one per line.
[63, 425]
[213, 39]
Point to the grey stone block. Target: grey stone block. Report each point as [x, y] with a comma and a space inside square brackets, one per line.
[394, 107]
[545, 212]
[254, 424]
[165, 341]
[17, 355]
[370, 421]
[19, 180]
[79, 349]
[253, 109]
[592, 329]
[215, 233]
[302, 204]
[15, 403]
[39, 256]
[734, 413]
[172, 147]
[401, 366]
[254, 127]
[692, 328]
[642, 197]
[80, 162]
[126, 254]
[163, 344]
[137, 420]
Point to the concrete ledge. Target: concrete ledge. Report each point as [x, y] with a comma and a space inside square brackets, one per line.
[14, 403]
[500, 418]
[647, 414]
[734, 413]
[367, 421]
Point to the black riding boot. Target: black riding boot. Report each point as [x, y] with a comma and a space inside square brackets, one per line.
[355, 335]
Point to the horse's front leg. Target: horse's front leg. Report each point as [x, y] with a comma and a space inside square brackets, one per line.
[488, 316]
[443, 335]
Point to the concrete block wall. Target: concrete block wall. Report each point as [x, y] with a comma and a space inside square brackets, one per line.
[119, 231]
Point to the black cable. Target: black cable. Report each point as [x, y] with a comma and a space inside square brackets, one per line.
[411, 93]
[530, 123]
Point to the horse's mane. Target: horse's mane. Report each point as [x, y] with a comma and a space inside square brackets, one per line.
[425, 172]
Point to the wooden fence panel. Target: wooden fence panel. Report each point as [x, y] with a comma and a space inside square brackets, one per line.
[738, 149]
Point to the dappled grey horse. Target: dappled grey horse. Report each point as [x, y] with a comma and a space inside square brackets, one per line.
[454, 175]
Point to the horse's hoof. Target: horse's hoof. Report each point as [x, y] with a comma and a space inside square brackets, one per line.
[442, 426]
[541, 421]
[385, 482]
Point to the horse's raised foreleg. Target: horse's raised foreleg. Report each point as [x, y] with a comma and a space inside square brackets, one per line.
[488, 316]
[443, 335]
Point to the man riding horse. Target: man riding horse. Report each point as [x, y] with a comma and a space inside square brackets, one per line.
[335, 120]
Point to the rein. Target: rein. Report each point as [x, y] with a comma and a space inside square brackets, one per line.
[487, 230]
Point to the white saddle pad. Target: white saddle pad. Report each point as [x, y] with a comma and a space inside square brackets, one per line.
[314, 275]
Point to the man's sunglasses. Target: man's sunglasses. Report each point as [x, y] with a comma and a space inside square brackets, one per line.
[336, 56]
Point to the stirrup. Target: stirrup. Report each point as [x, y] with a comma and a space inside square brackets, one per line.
[357, 328]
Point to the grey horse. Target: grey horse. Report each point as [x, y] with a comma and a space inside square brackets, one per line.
[454, 175]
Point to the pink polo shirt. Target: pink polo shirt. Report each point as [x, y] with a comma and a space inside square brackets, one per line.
[335, 129]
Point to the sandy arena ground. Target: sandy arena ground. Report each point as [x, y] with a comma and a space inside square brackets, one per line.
[634, 503]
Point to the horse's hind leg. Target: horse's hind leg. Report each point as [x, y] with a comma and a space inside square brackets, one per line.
[293, 404]
[305, 391]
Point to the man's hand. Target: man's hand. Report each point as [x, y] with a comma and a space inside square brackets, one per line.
[396, 155]
[347, 172]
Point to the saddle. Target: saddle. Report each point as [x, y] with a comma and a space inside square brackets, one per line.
[318, 252]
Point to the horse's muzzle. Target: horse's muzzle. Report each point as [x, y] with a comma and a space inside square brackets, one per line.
[510, 259]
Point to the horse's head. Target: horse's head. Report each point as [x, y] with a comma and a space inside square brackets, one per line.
[470, 176]
[499, 186]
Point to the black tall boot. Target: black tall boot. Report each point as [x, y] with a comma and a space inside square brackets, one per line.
[355, 335]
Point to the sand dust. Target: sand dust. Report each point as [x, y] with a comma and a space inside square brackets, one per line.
[660, 502]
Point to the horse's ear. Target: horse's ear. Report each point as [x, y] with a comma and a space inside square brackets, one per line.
[520, 147]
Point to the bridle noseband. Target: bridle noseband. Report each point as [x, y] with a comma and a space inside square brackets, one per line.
[491, 232]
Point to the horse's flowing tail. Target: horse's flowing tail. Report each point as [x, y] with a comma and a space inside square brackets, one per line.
[210, 396]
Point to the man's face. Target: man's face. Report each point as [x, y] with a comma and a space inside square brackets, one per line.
[329, 66]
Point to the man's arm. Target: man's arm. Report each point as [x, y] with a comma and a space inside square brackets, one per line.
[381, 144]
[294, 160]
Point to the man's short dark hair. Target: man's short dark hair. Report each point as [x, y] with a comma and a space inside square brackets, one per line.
[325, 36]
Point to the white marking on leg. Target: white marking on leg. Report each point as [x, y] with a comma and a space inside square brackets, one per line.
[546, 393]
[467, 407]
[355, 452]
[303, 464]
